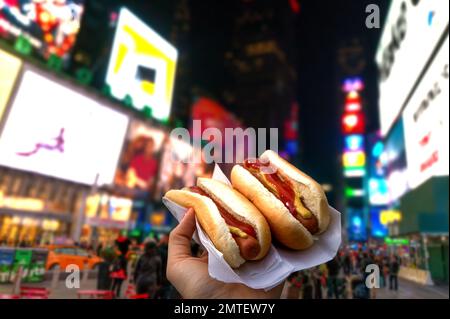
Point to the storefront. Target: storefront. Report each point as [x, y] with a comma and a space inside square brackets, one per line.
[35, 210]
[106, 216]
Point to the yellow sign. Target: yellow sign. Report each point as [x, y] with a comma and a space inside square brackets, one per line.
[9, 69]
[390, 216]
[142, 65]
[354, 159]
[21, 203]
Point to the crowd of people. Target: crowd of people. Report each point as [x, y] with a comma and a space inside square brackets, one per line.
[345, 276]
[141, 266]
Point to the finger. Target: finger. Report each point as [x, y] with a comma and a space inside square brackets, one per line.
[180, 237]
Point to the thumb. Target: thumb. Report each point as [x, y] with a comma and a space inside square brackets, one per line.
[180, 238]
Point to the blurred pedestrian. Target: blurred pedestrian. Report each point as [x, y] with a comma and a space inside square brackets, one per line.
[294, 285]
[380, 264]
[167, 291]
[317, 283]
[104, 280]
[346, 264]
[333, 272]
[394, 267]
[118, 272]
[148, 272]
[307, 287]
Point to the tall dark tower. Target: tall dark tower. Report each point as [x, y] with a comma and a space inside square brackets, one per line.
[259, 63]
[180, 37]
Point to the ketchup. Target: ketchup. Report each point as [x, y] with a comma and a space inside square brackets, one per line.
[229, 219]
[285, 193]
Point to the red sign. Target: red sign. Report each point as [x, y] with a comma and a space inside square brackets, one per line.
[353, 123]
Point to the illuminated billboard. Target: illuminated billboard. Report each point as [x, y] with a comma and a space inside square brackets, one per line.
[426, 122]
[178, 169]
[139, 162]
[54, 130]
[142, 66]
[51, 26]
[410, 34]
[394, 157]
[10, 68]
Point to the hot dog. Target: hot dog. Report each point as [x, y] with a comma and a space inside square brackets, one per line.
[233, 224]
[294, 205]
[243, 233]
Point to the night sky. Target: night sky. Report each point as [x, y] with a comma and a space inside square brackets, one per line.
[321, 27]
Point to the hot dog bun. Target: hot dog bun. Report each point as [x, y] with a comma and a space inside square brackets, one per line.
[241, 208]
[214, 225]
[313, 193]
[284, 226]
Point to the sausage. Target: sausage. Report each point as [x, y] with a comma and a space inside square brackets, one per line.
[229, 219]
[311, 224]
[284, 192]
[249, 246]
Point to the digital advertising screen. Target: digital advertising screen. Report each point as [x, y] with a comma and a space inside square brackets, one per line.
[377, 228]
[410, 34]
[10, 67]
[54, 130]
[179, 167]
[142, 66]
[426, 122]
[139, 162]
[51, 26]
[395, 162]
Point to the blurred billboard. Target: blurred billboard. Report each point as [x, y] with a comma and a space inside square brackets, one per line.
[142, 66]
[139, 162]
[426, 122]
[10, 68]
[50, 26]
[411, 33]
[54, 130]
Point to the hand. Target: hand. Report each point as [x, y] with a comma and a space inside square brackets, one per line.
[190, 274]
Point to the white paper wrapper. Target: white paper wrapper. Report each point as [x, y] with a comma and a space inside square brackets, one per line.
[277, 265]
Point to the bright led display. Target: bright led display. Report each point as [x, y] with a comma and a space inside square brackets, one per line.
[352, 84]
[354, 172]
[351, 192]
[378, 191]
[142, 65]
[354, 159]
[352, 107]
[354, 142]
[54, 130]
[353, 123]
[51, 27]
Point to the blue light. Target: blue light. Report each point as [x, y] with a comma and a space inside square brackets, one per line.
[378, 191]
[354, 142]
[430, 17]
[356, 221]
[292, 147]
[377, 149]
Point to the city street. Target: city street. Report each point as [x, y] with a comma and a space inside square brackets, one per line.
[410, 290]
[407, 290]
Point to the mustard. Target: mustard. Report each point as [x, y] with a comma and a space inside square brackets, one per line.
[236, 231]
[301, 209]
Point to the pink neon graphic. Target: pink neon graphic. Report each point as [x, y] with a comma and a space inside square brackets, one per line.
[58, 146]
